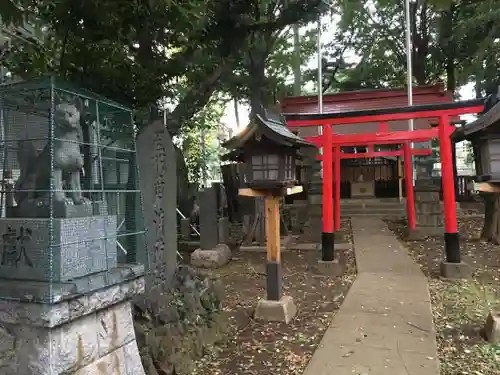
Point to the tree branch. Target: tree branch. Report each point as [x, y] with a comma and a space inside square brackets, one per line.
[196, 98]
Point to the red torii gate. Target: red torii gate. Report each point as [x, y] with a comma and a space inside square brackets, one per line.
[332, 155]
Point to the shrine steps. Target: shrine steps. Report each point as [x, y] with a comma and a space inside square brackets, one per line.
[376, 207]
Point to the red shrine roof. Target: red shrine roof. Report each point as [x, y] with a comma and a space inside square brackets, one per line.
[367, 99]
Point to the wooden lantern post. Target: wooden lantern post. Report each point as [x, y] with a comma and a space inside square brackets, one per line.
[273, 265]
[269, 151]
[273, 246]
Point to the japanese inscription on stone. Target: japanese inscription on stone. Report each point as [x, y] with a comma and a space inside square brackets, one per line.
[159, 184]
[14, 243]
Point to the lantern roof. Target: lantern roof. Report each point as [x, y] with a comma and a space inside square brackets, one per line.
[269, 126]
[487, 122]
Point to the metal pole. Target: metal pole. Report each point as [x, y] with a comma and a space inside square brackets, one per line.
[320, 85]
[409, 74]
[320, 71]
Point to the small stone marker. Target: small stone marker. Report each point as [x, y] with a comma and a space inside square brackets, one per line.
[211, 253]
[224, 230]
[186, 229]
[492, 327]
[209, 233]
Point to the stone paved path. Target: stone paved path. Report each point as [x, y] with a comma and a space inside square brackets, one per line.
[384, 326]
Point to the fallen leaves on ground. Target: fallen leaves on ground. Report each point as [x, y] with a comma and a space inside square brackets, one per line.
[460, 308]
[262, 348]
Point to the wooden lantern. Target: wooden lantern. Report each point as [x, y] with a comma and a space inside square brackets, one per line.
[484, 134]
[270, 169]
[489, 159]
[269, 151]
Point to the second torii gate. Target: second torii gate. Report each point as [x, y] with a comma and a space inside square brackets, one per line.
[332, 155]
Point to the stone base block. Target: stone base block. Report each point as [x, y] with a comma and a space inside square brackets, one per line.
[455, 270]
[258, 249]
[47, 293]
[423, 232]
[276, 311]
[333, 268]
[211, 258]
[79, 246]
[88, 334]
[307, 246]
[491, 328]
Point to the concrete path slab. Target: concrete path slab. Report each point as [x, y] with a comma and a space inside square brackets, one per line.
[385, 324]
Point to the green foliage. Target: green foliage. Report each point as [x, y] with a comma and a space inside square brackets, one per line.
[138, 52]
[11, 12]
[469, 157]
[205, 123]
[462, 308]
[455, 41]
[263, 74]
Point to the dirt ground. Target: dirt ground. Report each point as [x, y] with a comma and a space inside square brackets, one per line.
[460, 308]
[262, 348]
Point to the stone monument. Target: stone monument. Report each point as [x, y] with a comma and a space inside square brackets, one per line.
[211, 253]
[64, 299]
[184, 305]
[157, 166]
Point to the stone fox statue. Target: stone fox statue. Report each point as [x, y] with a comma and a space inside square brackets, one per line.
[34, 181]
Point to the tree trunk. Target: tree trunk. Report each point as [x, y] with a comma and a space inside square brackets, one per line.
[449, 47]
[420, 41]
[491, 228]
[196, 98]
[257, 90]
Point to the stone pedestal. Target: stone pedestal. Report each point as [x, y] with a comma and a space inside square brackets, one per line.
[331, 268]
[86, 330]
[363, 189]
[276, 311]
[78, 247]
[428, 210]
[455, 271]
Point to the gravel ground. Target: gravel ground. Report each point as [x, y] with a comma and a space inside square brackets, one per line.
[460, 308]
[263, 348]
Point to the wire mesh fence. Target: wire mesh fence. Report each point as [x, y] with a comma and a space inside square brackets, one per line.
[71, 209]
